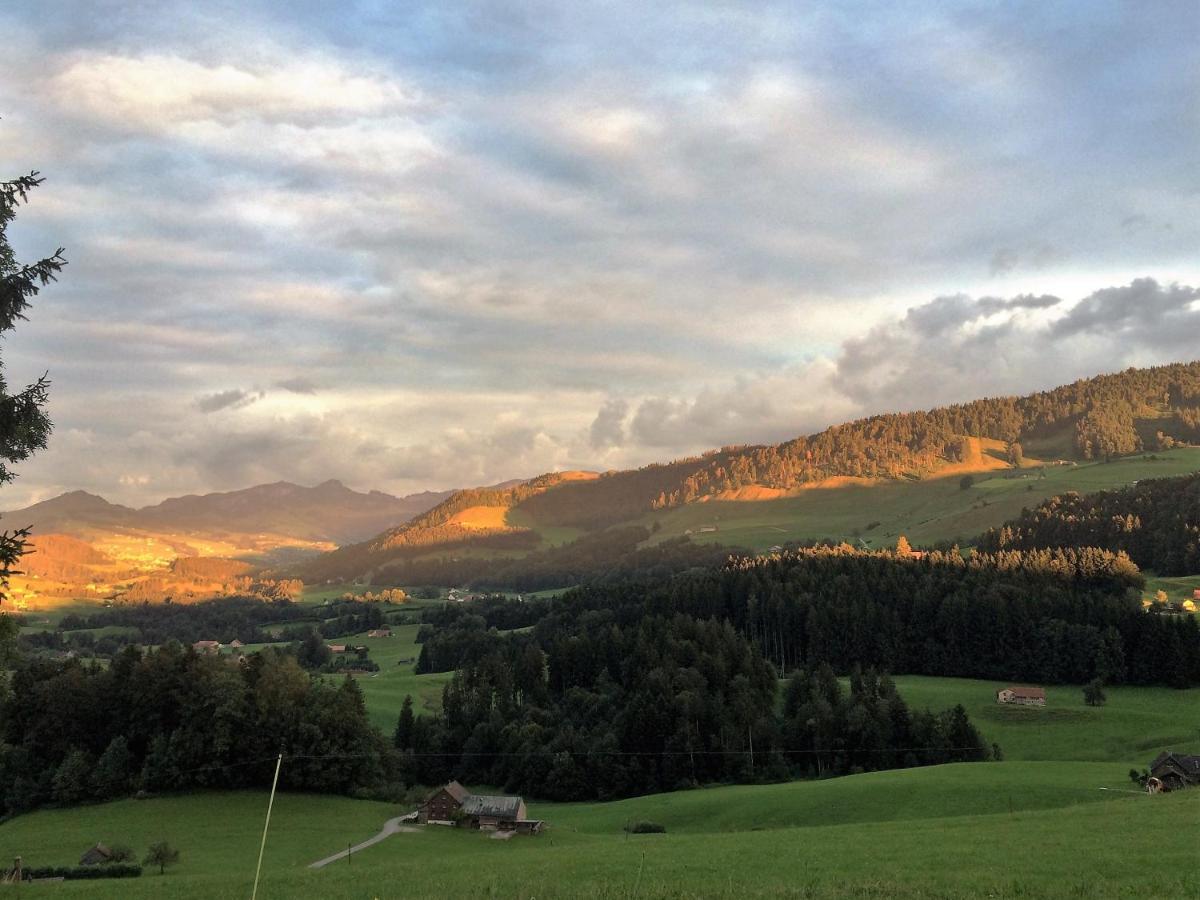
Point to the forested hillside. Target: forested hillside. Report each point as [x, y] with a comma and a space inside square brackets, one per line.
[1097, 418]
[1156, 522]
[1109, 415]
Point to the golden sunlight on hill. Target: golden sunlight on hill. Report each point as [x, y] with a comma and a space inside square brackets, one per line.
[481, 517]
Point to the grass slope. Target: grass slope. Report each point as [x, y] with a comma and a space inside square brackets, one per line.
[926, 511]
[1130, 729]
[384, 691]
[940, 832]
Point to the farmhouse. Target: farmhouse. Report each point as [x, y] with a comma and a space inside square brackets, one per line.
[454, 804]
[1175, 770]
[380, 633]
[1022, 696]
[207, 646]
[337, 648]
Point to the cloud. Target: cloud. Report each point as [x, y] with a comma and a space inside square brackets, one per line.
[232, 399]
[156, 91]
[297, 385]
[608, 428]
[475, 227]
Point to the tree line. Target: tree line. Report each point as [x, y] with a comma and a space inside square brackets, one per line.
[1156, 522]
[1058, 616]
[171, 720]
[590, 706]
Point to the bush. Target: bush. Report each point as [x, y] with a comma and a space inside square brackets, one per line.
[646, 828]
[72, 873]
[119, 853]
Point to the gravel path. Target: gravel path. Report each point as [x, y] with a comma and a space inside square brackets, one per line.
[390, 827]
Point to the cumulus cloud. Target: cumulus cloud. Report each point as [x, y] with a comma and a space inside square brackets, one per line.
[608, 428]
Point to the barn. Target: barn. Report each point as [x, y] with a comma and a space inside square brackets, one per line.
[1175, 770]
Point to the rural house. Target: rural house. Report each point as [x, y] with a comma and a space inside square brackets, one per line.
[380, 633]
[207, 646]
[1022, 696]
[454, 804]
[442, 805]
[1174, 771]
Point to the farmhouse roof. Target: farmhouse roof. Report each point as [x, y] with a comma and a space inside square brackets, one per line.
[1028, 693]
[457, 791]
[206, 644]
[95, 855]
[493, 807]
[1189, 764]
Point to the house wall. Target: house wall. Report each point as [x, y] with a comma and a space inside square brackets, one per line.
[438, 808]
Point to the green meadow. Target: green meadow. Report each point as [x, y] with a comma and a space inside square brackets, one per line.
[928, 511]
[1061, 802]
[384, 691]
[947, 831]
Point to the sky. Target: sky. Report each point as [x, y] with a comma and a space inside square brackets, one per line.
[426, 245]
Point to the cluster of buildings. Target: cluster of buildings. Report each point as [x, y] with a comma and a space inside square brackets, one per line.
[453, 804]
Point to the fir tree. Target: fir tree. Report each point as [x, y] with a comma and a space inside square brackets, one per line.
[24, 425]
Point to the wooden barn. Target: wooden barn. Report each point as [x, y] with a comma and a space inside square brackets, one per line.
[1175, 770]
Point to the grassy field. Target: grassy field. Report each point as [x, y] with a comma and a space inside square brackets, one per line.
[1178, 589]
[925, 511]
[1130, 729]
[1061, 800]
[949, 831]
[385, 690]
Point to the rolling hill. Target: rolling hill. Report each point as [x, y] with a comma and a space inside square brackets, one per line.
[870, 479]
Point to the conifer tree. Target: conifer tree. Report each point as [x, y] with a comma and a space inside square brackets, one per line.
[24, 425]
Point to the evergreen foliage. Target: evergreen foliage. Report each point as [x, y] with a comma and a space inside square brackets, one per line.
[171, 720]
[1156, 522]
[24, 425]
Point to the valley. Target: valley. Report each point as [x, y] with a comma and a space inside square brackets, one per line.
[816, 717]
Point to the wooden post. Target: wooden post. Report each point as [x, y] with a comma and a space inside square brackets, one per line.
[266, 825]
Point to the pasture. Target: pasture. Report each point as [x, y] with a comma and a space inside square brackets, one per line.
[947, 831]
[926, 511]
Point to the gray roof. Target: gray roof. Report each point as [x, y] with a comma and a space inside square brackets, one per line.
[1189, 764]
[493, 807]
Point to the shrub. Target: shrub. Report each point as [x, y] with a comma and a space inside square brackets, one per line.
[72, 873]
[646, 828]
[119, 853]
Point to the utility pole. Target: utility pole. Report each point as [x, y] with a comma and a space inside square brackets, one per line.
[750, 732]
[266, 825]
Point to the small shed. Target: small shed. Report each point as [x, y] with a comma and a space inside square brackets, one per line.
[95, 856]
